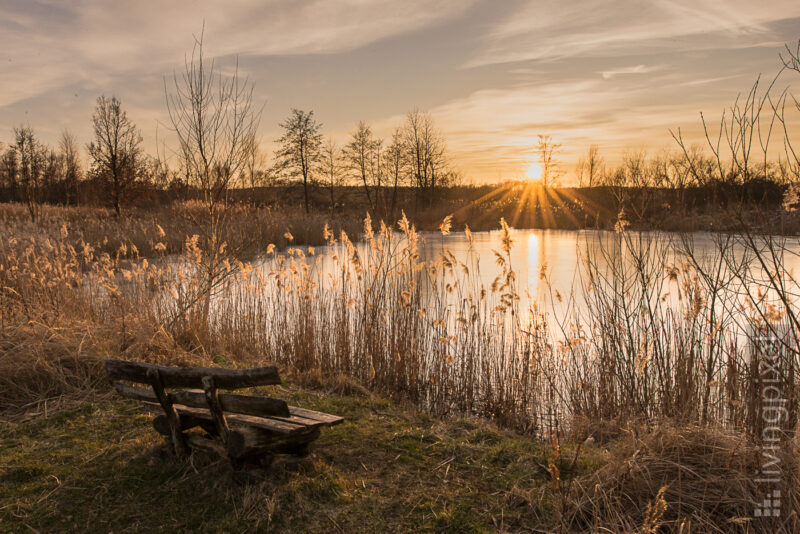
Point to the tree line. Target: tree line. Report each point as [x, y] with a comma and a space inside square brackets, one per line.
[34, 173]
[120, 172]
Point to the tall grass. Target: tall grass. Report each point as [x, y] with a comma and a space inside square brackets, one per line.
[163, 229]
[651, 333]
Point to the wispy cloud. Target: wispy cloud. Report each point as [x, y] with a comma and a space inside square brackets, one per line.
[493, 132]
[47, 43]
[638, 69]
[551, 30]
[707, 81]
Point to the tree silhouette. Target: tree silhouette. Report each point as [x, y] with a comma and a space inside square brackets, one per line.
[425, 149]
[548, 150]
[31, 163]
[70, 166]
[116, 149]
[360, 156]
[331, 167]
[300, 148]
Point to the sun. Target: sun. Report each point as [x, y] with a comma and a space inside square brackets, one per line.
[534, 172]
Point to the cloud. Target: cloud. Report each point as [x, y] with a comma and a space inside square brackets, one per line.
[493, 132]
[638, 69]
[615, 73]
[45, 44]
[550, 30]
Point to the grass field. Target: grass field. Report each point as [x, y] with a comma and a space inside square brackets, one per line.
[97, 465]
[100, 467]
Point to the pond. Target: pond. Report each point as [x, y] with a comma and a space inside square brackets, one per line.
[552, 267]
[593, 322]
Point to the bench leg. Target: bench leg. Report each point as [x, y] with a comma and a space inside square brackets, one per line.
[176, 435]
[300, 450]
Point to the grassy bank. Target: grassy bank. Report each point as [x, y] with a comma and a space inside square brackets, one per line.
[98, 466]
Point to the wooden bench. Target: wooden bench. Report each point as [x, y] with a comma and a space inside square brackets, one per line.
[244, 428]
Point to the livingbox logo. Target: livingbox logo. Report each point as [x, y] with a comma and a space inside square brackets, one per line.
[774, 414]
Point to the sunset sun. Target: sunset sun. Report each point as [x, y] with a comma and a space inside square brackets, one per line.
[534, 172]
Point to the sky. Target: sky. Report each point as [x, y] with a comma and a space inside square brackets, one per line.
[493, 74]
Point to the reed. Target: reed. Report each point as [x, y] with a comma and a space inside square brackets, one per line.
[652, 332]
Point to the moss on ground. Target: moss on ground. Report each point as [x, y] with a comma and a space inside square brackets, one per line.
[101, 467]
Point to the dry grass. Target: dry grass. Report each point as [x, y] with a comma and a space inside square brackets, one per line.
[428, 331]
[41, 363]
[683, 479]
[339, 384]
[144, 232]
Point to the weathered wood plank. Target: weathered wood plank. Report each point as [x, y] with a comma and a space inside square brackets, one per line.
[230, 402]
[191, 377]
[212, 399]
[245, 442]
[299, 420]
[269, 424]
[322, 417]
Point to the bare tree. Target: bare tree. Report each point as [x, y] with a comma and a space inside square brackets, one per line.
[396, 162]
[52, 176]
[590, 167]
[300, 148]
[791, 162]
[116, 149]
[360, 155]
[213, 118]
[31, 161]
[426, 152]
[9, 172]
[255, 173]
[332, 167]
[548, 152]
[71, 166]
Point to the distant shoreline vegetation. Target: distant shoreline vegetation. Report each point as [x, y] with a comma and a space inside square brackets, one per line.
[264, 215]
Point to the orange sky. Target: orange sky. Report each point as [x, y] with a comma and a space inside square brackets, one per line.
[619, 74]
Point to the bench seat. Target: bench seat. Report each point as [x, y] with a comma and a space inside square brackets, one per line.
[294, 424]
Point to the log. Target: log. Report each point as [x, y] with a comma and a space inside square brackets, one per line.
[230, 402]
[192, 377]
[250, 442]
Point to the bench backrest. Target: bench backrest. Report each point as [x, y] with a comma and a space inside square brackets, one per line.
[191, 377]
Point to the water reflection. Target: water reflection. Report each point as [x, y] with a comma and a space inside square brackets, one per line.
[550, 264]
